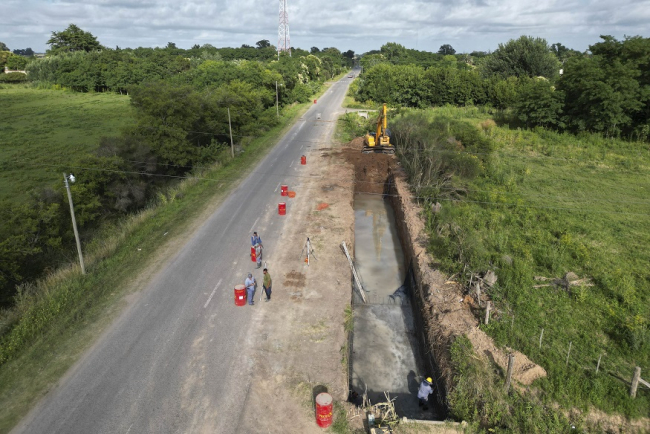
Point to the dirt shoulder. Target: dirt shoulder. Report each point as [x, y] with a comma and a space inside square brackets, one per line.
[300, 341]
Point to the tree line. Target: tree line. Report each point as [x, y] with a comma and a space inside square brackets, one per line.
[184, 101]
[604, 90]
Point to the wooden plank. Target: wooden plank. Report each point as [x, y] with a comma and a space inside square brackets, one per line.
[635, 381]
[645, 383]
[354, 272]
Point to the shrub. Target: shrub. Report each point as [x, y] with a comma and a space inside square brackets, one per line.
[13, 77]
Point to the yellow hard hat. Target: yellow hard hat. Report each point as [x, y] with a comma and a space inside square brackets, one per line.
[429, 380]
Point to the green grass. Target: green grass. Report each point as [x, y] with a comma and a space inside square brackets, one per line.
[40, 130]
[60, 317]
[544, 204]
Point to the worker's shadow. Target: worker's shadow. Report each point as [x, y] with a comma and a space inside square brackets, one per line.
[413, 384]
[315, 392]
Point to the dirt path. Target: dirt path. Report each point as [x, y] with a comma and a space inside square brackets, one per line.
[299, 334]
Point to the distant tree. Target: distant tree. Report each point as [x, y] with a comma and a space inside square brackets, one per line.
[246, 46]
[72, 39]
[446, 49]
[314, 50]
[538, 103]
[16, 62]
[449, 61]
[4, 55]
[349, 54]
[370, 60]
[563, 53]
[524, 57]
[264, 43]
[24, 52]
[196, 47]
[394, 52]
[608, 91]
[171, 45]
[3, 47]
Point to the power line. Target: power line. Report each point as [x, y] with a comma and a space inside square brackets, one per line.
[222, 179]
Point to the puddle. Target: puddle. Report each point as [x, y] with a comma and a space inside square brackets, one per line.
[385, 350]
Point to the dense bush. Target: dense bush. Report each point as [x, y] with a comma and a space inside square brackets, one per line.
[16, 63]
[524, 57]
[13, 77]
[413, 86]
[609, 91]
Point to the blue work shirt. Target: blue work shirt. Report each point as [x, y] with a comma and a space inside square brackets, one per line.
[250, 283]
[256, 240]
[425, 390]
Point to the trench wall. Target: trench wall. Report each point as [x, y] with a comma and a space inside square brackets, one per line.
[434, 342]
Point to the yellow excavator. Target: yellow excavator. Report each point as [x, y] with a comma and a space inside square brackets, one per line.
[379, 141]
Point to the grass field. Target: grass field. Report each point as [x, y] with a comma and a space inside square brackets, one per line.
[544, 204]
[42, 129]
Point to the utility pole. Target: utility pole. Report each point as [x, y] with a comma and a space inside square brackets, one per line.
[277, 110]
[232, 146]
[74, 221]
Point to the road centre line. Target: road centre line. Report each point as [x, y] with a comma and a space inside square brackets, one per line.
[276, 188]
[254, 224]
[212, 295]
[291, 164]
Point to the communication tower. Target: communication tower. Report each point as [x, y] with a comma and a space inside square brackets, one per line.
[284, 42]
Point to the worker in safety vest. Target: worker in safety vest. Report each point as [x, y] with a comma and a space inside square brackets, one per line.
[424, 391]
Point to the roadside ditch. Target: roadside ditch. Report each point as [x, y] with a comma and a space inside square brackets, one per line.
[391, 345]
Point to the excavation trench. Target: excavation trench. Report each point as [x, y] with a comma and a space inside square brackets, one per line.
[388, 345]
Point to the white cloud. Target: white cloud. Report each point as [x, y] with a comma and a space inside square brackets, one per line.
[360, 25]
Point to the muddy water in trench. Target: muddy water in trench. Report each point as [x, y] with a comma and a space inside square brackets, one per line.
[385, 353]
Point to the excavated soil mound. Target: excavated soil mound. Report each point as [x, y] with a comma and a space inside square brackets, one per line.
[370, 170]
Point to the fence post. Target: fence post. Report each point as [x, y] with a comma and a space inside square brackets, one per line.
[512, 322]
[541, 335]
[478, 293]
[511, 362]
[568, 353]
[487, 312]
[598, 364]
[635, 381]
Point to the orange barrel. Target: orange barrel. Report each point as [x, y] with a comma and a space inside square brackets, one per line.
[240, 295]
[282, 208]
[324, 410]
[303, 160]
[283, 190]
[253, 254]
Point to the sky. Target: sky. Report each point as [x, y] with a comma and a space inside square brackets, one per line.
[359, 25]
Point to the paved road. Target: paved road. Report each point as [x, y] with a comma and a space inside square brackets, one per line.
[172, 362]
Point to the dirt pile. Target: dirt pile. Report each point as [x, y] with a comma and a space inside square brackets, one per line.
[370, 170]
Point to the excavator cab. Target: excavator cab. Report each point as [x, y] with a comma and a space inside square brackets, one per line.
[379, 141]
